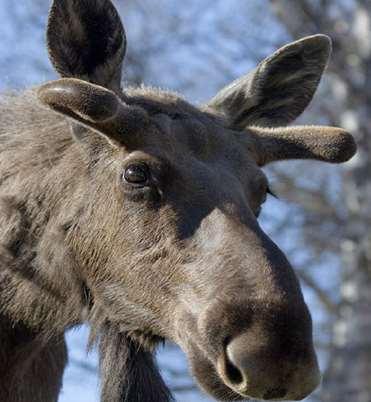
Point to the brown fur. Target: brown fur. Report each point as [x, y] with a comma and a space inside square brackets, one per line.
[180, 258]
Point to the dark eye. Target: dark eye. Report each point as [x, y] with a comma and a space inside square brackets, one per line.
[137, 173]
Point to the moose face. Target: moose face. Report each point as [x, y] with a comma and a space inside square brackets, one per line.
[169, 241]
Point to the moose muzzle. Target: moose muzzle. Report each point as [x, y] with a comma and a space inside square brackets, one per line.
[269, 362]
[249, 331]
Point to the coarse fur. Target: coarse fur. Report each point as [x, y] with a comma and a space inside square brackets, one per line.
[179, 256]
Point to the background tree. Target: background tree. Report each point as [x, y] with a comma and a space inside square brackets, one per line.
[348, 377]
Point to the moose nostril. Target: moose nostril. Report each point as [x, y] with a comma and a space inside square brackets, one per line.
[232, 372]
[275, 393]
[251, 373]
[252, 368]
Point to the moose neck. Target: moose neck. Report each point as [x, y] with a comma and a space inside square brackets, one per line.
[128, 372]
[38, 274]
[31, 367]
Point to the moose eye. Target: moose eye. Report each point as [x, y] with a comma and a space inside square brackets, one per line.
[137, 174]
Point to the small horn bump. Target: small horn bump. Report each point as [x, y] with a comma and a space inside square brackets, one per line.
[97, 108]
[77, 98]
[328, 144]
[341, 146]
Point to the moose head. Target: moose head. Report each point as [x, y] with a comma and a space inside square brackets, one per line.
[168, 243]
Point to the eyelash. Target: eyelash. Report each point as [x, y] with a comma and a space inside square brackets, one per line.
[269, 192]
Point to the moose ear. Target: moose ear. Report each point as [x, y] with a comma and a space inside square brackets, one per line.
[279, 89]
[86, 40]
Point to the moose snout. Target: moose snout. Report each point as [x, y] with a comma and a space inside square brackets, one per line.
[260, 350]
[249, 327]
[264, 374]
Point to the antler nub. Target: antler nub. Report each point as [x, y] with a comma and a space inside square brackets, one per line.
[95, 107]
[328, 144]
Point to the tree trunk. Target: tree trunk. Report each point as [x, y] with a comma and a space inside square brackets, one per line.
[348, 377]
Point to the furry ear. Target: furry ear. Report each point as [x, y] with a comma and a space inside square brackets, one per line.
[280, 88]
[128, 372]
[86, 40]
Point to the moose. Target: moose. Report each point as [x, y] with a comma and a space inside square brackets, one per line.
[137, 213]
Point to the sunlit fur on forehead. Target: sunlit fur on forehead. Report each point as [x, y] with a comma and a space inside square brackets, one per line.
[158, 101]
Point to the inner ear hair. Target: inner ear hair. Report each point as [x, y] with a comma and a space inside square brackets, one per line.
[279, 89]
[86, 40]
